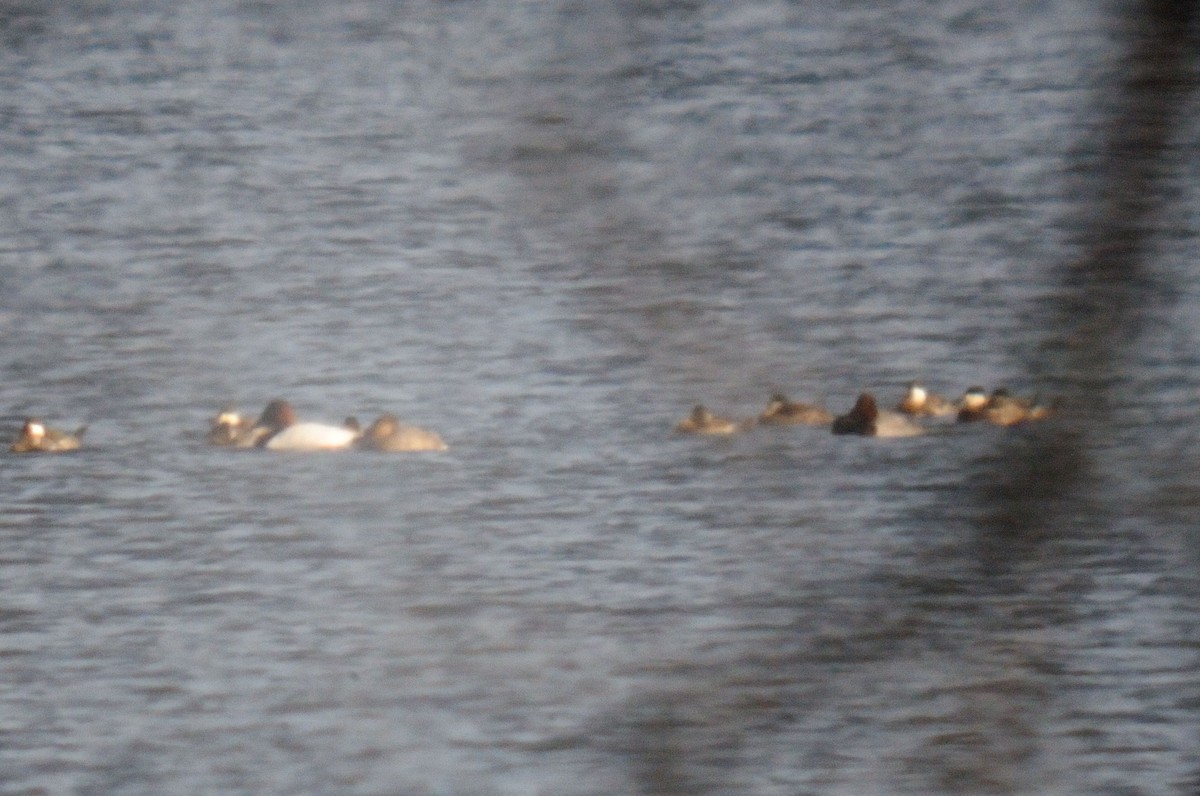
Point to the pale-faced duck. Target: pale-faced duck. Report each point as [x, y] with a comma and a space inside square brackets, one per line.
[920, 402]
[36, 437]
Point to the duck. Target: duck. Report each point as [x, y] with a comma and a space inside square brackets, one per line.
[230, 430]
[1004, 409]
[702, 421]
[867, 420]
[277, 429]
[973, 406]
[387, 433]
[781, 411]
[37, 438]
[920, 402]
[1010, 409]
[1000, 408]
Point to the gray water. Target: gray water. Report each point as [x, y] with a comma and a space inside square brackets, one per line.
[546, 229]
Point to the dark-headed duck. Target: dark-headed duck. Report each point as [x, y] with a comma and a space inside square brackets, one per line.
[277, 429]
[973, 405]
[866, 419]
[1000, 408]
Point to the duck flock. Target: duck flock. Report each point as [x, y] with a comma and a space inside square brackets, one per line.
[866, 419]
[278, 428]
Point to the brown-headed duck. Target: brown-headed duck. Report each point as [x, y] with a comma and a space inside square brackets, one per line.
[866, 419]
[277, 429]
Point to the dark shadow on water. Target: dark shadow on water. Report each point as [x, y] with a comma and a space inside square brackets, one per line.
[1039, 505]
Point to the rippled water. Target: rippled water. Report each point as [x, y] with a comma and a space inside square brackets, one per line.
[546, 230]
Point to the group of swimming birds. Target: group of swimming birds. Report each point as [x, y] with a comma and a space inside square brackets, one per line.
[278, 429]
[867, 419]
[275, 429]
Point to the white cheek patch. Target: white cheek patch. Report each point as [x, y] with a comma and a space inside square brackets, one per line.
[918, 394]
[974, 400]
[37, 430]
[229, 419]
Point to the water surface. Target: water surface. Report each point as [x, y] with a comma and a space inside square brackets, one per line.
[547, 230]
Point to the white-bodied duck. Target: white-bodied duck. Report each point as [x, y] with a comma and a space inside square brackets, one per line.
[867, 420]
[277, 429]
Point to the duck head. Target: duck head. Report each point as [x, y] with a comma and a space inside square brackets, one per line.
[974, 398]
[777, 402]
[278, 415]
[859, 420]
[384, 426]
[33, 430]
[226, 426]
[228, 416]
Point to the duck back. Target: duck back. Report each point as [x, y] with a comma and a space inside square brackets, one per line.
[311, 437]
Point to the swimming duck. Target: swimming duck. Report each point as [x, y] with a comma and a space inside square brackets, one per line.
[866, 419]
[919, 401]
[781, 411]
[973, 405]
[1000, 408]
[230, 430]
[702, 421]
[277, 429]
[387, 433]
[1004, 409]
[35, 437]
